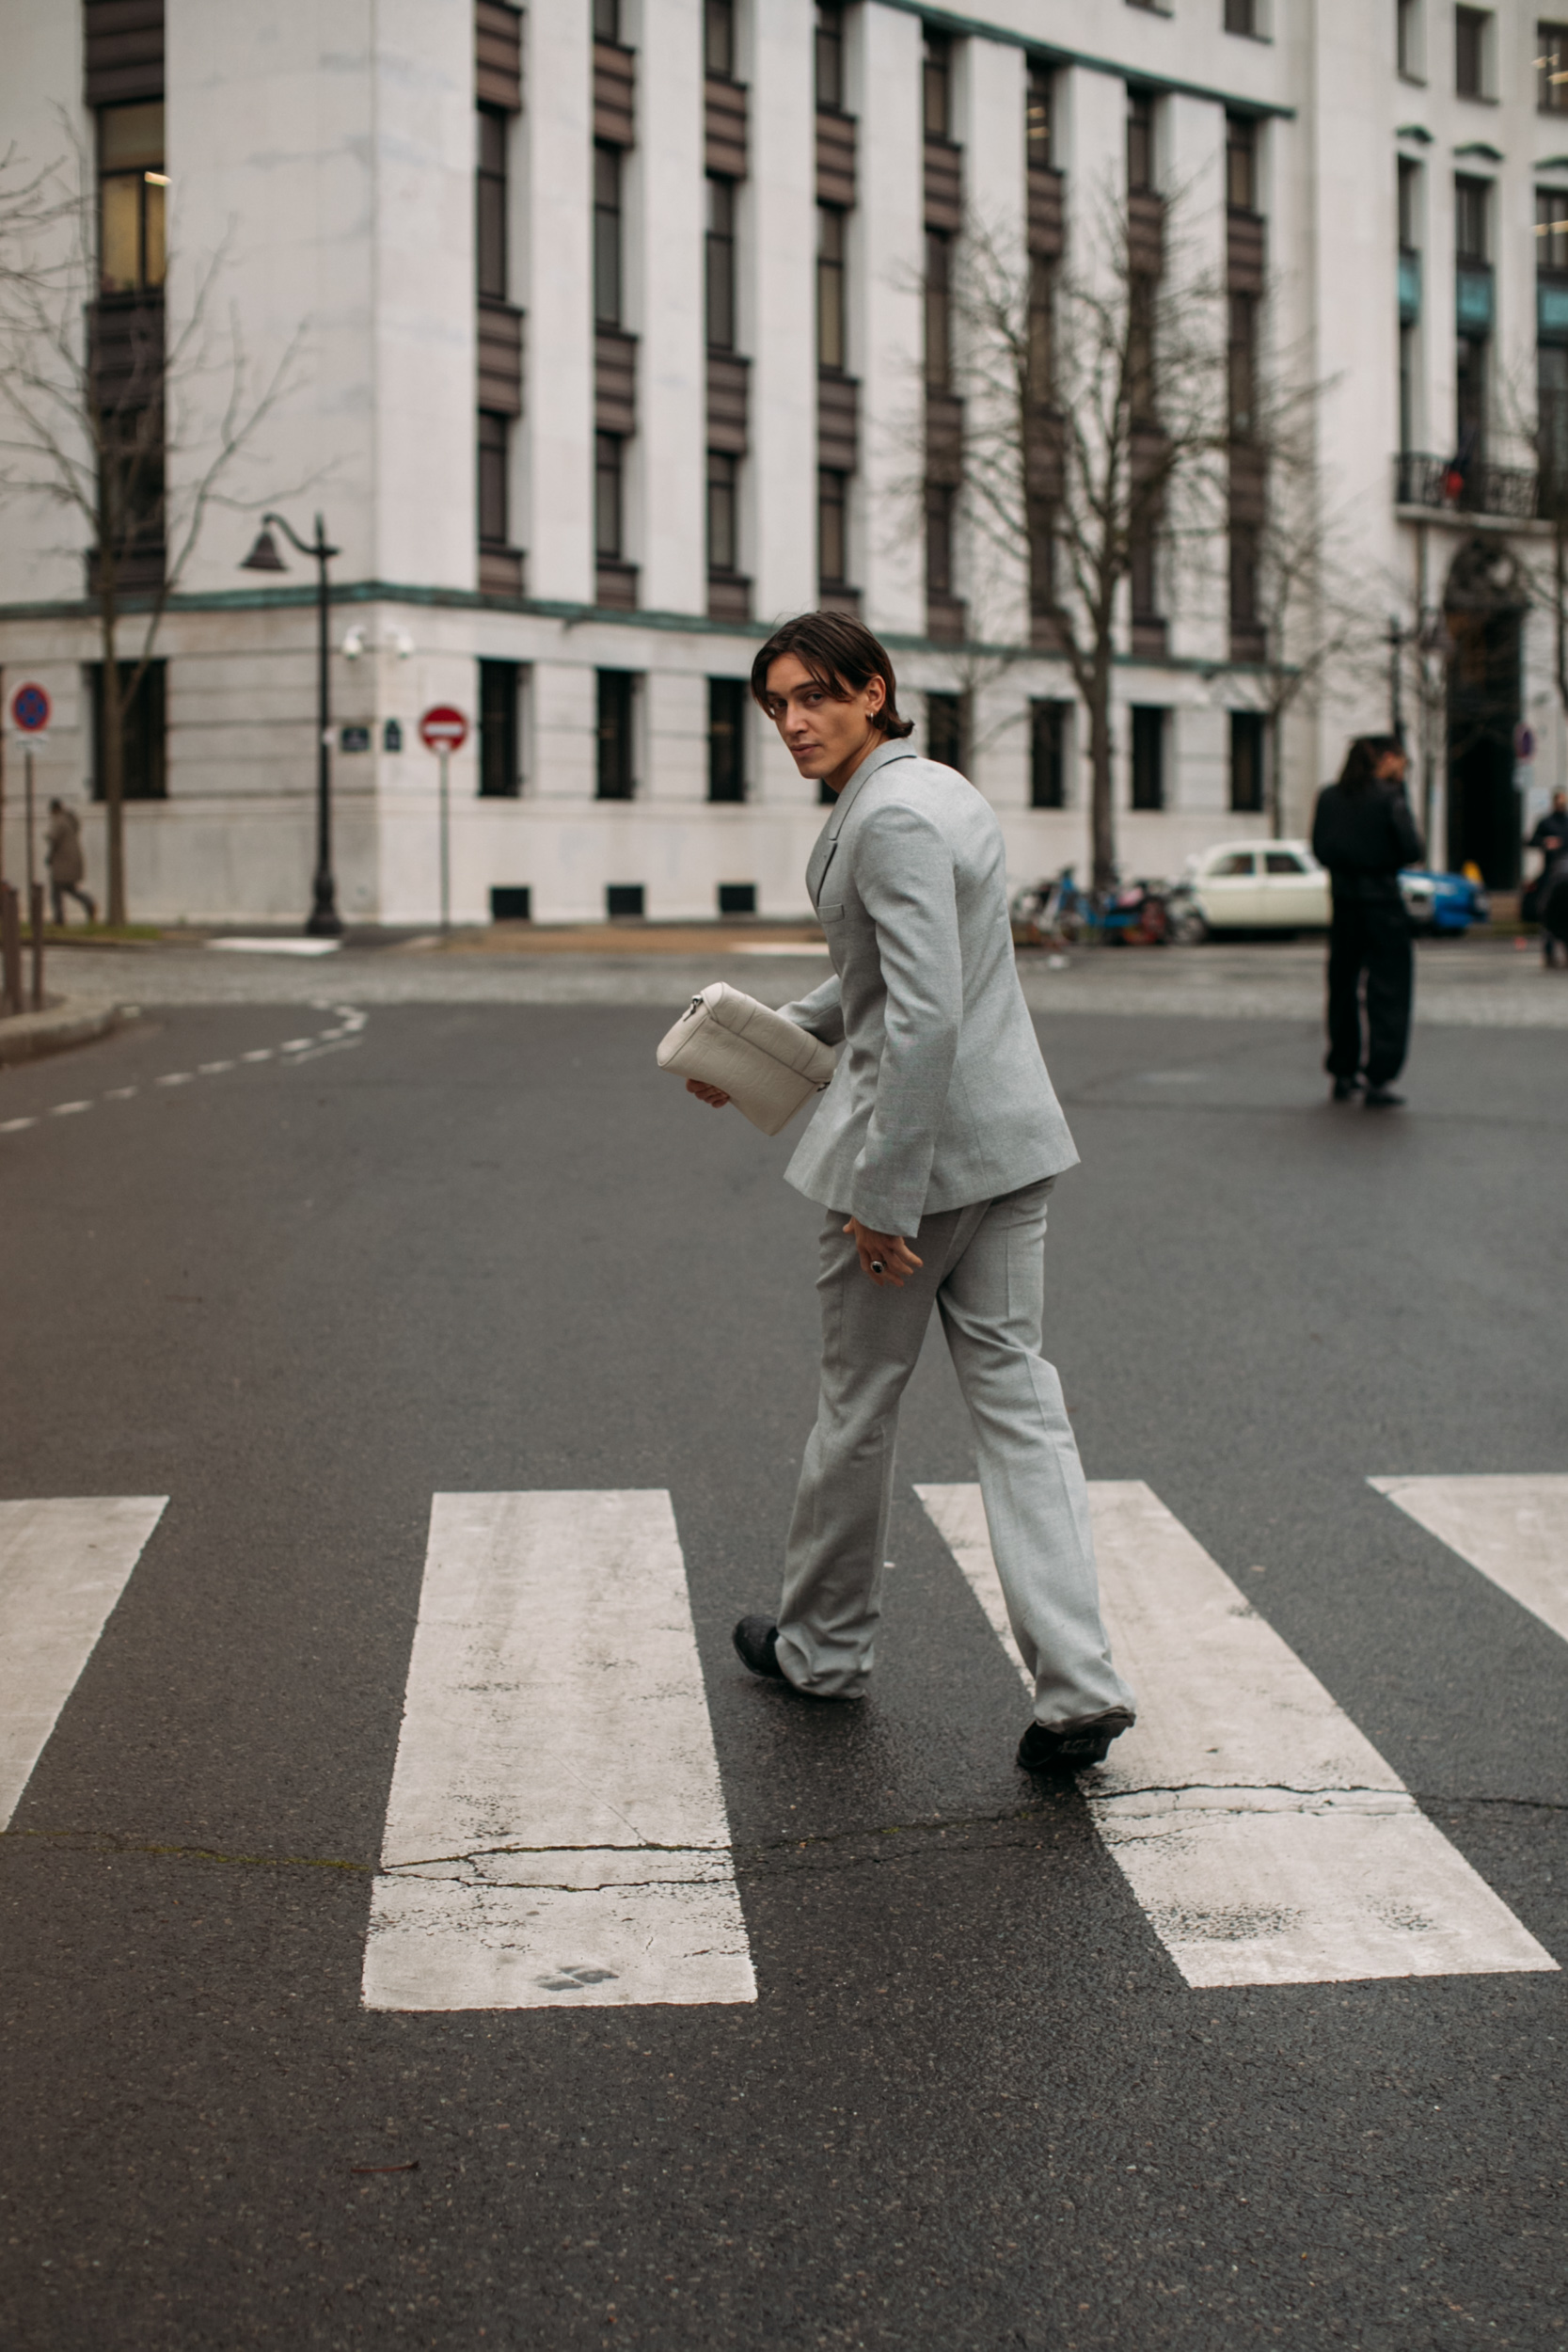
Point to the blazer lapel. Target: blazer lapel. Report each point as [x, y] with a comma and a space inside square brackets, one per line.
[827, 840]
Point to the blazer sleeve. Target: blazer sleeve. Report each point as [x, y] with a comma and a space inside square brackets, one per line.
[820, 1014]
[1407, 840]
[904, 875]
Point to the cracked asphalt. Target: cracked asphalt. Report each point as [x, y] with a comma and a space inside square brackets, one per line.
[488, 1246]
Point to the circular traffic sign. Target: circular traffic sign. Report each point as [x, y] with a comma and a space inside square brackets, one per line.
[31, 710]
[443, 729]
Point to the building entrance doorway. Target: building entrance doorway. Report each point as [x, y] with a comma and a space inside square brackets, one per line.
[1484, 609]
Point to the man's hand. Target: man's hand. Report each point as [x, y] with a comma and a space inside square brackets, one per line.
[706, 1093]
[890, 1252]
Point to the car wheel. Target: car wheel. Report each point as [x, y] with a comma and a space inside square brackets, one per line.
[1189, 929]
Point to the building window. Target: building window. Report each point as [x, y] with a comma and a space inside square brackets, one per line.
[131, 185]
[1140, 142]
[831, 318]
[1149, 758]
[829, 55]
[1408, 356]
[1551, 361]
[944, 730]
[720, 265]
[142, 773]
[1048, 724]
[617, 779]
[833, 527]
[1241, 163]
[1246, 762]
[608, 500]
[490, 219]
[1469, 52]
[1037, 114]
[726, 739]
[937, 87]
[940, 499]
[1241, 365]
[719, 39]
[607, 21]
[1241, 16]
[1551, 69]
[738, 898]
[1471, 242]
[1409, 205]
[939, 311]
[607, 235]
[493, 531]
[498, 730]
[723, 533]
[1407, 39]
[1244, 578]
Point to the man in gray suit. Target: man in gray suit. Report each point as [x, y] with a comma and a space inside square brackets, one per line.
[933, 1150]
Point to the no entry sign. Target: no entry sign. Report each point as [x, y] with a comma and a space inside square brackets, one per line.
[443, 729]
[31, 710]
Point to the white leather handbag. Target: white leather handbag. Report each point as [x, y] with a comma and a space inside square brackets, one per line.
[764, 1064]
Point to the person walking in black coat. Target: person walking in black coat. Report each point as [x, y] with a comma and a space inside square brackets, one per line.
[1364, 832]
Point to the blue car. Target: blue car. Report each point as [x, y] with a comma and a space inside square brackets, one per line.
[1442, 902]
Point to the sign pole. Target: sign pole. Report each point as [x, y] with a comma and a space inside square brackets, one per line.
[28, 770]
[446, 847]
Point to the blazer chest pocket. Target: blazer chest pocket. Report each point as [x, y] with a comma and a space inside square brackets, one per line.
[830, 910]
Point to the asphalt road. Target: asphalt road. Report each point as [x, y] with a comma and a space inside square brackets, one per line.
[974, 2105]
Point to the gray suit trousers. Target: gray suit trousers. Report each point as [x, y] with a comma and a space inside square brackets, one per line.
[984, 1268]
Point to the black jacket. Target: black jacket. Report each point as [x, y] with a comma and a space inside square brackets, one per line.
[1364, 838]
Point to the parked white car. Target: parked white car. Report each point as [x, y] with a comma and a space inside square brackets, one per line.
[1252, 886]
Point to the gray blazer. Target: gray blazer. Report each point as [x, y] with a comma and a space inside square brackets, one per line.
[940, 1096]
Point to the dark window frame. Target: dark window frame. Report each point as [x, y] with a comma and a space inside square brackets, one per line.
[1147, 723]
[608, 236]
[941, 549]
[833, 314]
[828, 57]
[939, 309]
[1142, 159]
[145, 755]
[936, 86]
[723, 515]
[1469, 52]
[727, 700]
[1246, 781]
[1241, 16]
[615, 777]
[607, 21]
[718, 258]
[1039, 115]
[500, 733]
[146, 181]
[493, 485]
[1048, 735]
[491, 257]
[1472, 219]
[947, 729]
[1551, 66]
[832, 526]
[609, 498]
[719, 39]
[1241, 163]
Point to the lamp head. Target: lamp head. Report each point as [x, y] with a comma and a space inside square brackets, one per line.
[263, 556]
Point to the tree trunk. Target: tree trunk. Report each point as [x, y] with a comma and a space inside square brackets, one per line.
[111, 753]
[1101, 810]
[1274, 734]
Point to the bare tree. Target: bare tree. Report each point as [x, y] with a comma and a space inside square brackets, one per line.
[1094, 431]
[128, 419]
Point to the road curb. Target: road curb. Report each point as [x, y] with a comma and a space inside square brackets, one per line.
[73, 1020]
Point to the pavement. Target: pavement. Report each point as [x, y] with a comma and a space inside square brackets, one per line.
[63, 1022]
[1475, 982]
[300, 1262]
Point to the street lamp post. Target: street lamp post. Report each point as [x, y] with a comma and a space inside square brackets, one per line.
[324, 921]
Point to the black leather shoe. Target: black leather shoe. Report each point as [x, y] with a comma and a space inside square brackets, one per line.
[1345, 1088]
[1383, 1099]
[1042, 1750]
[756, 1644]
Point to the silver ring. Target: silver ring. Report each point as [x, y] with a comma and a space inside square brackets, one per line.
[877, 1267]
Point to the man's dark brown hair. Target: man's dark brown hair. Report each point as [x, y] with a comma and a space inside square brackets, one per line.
[842, 655]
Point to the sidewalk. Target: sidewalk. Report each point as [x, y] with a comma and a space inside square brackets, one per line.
[1472, 983]
[66, 1021]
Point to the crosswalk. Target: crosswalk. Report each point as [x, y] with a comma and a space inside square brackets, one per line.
[557, 1836]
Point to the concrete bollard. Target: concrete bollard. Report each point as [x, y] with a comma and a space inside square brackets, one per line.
[10, 949]
[35, 913]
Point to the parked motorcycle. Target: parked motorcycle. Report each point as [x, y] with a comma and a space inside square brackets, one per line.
[1057, 914]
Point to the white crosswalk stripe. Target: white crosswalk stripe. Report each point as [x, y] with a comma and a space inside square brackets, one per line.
[1266, 1839]
[556, 1836]
[63, 1566]
[1514, 1528]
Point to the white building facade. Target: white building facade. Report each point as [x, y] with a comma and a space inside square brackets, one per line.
[610, 323]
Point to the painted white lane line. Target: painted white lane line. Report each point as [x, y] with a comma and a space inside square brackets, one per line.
[69, 1110]
[1514, 1528]
[63, 1566]
[14, 1126]
[258, 1052]
[1266, 1839]
[555, 1835]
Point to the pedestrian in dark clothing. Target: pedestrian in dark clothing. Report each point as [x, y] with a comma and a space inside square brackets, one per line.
[65, 862]
[1364, 832]
[1550, 886]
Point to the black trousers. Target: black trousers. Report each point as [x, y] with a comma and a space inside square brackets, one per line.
[1371, 939]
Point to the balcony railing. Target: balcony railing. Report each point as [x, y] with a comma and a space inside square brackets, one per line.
[1438, 482]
